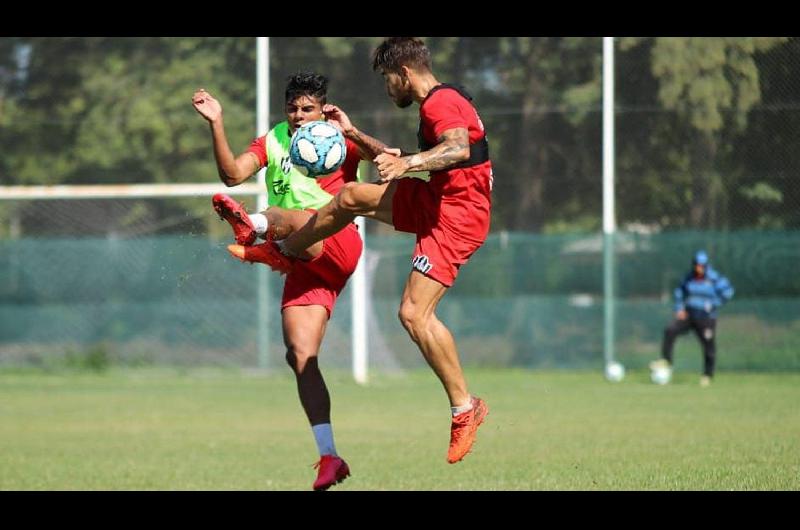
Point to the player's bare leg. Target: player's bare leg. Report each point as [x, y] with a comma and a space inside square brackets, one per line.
[354, 199]
[303, 330]
[280, 224]
[417, 314]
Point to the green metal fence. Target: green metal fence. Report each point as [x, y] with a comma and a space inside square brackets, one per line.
[523, 300]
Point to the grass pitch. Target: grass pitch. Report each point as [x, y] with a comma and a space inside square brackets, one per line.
[145, 429]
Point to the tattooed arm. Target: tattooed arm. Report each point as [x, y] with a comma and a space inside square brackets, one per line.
[368, 146]
[453, 147]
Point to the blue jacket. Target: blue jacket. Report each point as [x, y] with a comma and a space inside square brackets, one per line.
[701, 297]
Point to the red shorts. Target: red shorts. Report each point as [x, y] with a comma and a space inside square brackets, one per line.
[449, 229]
[320, 280]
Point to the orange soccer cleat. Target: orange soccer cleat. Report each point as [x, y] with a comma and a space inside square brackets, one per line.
[267, 253]
[464, 428]
[332, 470]
[236, 214]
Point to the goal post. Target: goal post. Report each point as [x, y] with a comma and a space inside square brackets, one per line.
[609, 212]
[122, 191]
[358, 284]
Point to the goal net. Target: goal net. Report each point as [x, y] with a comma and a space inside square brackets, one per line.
[140, 275]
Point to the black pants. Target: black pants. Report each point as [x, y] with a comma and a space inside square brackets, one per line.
[704, 328]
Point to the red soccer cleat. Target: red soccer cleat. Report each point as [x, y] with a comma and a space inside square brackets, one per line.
[267, 253]
[463, 429]
[236, 214]
[332, 470]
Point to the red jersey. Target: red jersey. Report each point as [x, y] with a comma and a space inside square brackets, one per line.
[447, 109]
[450, 214]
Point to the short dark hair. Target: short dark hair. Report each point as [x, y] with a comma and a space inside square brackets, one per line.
[395, 52]
[307, 84]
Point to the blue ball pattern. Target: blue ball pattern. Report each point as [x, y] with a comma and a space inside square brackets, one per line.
[318, 148]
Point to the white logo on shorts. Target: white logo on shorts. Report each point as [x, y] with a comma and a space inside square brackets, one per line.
[421, 263]
[708, 333]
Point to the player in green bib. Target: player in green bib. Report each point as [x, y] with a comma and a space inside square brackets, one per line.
[288, 188]
[314, 282]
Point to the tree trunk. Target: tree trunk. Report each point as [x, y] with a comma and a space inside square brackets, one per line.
[533, 159]
[703, 156]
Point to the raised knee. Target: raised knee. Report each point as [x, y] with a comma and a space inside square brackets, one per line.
[347, 198]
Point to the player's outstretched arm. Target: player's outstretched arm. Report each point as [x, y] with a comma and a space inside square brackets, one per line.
[368, 146]
[232, 171]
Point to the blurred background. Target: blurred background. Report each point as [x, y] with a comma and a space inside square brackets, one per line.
[705, 158]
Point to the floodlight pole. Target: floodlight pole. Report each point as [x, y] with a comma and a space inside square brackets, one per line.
[262, 127]
[609, 217]
[359, 312]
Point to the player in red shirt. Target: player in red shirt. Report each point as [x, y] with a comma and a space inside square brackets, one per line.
[449, 214]
[312, 285]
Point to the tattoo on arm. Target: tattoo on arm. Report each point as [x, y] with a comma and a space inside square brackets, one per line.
[370, 147]
[453, 147]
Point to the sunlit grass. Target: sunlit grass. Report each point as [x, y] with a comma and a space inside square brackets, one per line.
[225, 430]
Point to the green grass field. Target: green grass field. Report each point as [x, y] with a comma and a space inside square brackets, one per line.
[225, 430]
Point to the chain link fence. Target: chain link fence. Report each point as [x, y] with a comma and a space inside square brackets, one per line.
[705, 133]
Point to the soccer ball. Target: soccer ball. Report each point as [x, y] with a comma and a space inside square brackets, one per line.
[660, 375]
[317, 149]
[615, 372]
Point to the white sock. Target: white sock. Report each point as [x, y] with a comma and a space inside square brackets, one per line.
[323, 434]
[260, 223]
[463, 408]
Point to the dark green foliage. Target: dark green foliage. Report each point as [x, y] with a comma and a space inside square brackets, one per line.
[705, 126]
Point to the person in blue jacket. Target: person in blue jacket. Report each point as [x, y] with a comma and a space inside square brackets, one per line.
[701, 293]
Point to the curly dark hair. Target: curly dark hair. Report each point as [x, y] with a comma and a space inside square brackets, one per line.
[395, 52]
[307, 84]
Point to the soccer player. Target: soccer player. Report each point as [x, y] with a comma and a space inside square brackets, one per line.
[314, 283]
[701, 293]
[449, 214]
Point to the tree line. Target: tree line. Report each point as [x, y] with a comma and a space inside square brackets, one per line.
[704, 139]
